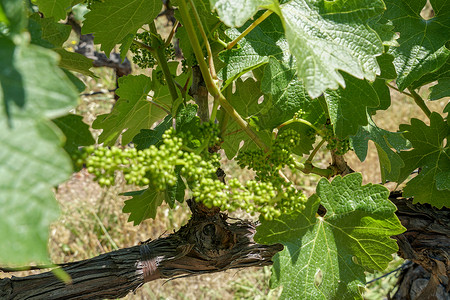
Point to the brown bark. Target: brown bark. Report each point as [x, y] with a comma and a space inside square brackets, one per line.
[207, 243]
[427, 243]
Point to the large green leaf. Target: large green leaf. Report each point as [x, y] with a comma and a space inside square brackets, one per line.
[32, 163]
[234, 13]
[54, 8]
[431, 153]
[325, 257]
[111, 21]
[132, 111]
[390, 161]
[33, 88]
[328, 36]
[143, 205]
[348, 107]
[422, 42]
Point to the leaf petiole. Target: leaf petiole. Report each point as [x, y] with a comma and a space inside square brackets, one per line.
[205, 39]
[420, 102]
[162, 61]
[249, 28]
[314, 152]
[299, 120]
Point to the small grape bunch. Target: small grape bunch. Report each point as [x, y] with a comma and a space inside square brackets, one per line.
[340, 146]
[143, 57]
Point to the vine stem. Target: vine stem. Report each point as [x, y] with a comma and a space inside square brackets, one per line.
[249, 28]
[162, 61]
[420, 102]
[394, 88]
[416, 97]
[309, 168]
[209, 81]
[205, 39]
[298, 120]
[158, 105]
[144, 46]
[172, 32]
[314, 152]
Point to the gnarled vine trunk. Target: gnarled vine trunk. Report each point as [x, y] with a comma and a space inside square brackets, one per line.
[427, 243]
[207, 243]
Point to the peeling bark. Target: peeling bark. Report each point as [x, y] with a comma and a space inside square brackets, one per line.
[208, 243]
[427, 243]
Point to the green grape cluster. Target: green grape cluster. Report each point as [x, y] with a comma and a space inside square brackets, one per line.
[206, 136]
[143, 57]
[267, 165]
[341, 146]
[254, 197]
[270, 195]
[154, 165]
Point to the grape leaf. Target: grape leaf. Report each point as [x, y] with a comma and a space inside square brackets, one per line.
[347, 107]
[54, 8]
[187, 119]
[440, 90]
[75, 62]
[325, 257]
[325, 36]
[143, 204]
[234, 13]
[390, 161]
[113, 20]
[131, 113]
[245, 102]
[422, 42]
[147, 137]
[33, 88]
[76, 131]
[432, 155]
[32, 163]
